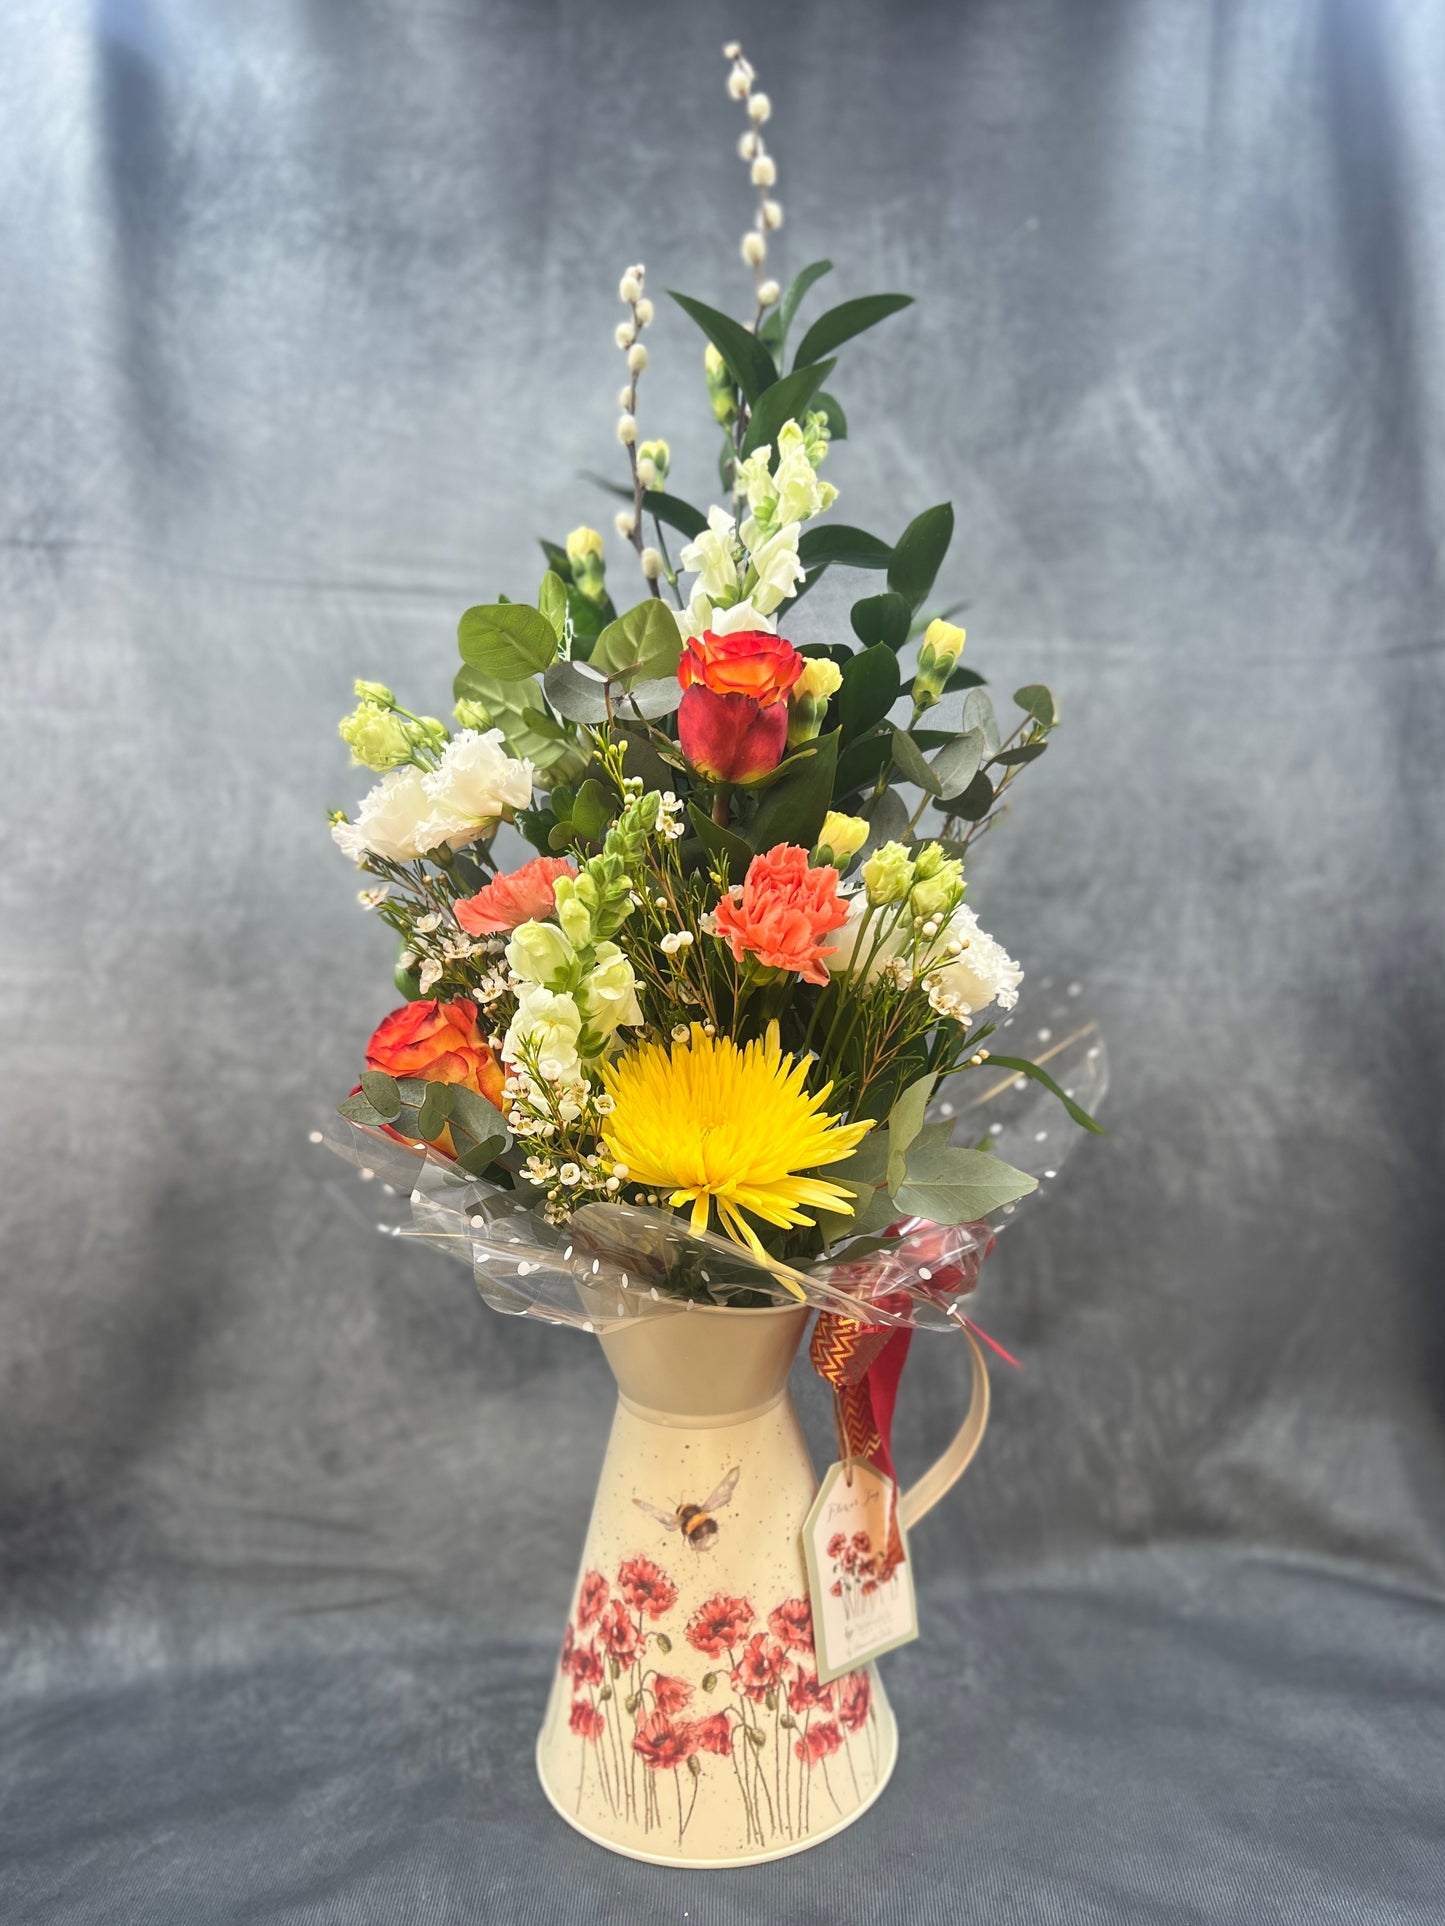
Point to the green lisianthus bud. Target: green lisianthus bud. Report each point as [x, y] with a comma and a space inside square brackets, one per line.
[809, 697]
[426, 729]
[379, 738]
[940, 892]
[473, 715]
[589, 566]
[888, 874]
[938, 655]
[841, 837]
[376, 692]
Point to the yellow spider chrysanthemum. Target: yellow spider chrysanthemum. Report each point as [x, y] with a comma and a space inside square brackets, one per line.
[712, 1122]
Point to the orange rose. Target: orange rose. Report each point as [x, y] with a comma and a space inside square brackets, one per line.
[751, 663]
[732, 721]
[440, 1043]
[779, 912]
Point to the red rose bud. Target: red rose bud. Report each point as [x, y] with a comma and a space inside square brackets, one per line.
[732, 721]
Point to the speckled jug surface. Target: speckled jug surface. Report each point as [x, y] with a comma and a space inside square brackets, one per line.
[686, 1724]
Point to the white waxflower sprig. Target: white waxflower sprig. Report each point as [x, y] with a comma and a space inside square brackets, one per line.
[646, 461]
[762, 172]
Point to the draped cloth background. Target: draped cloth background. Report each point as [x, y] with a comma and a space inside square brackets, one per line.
[305, 331]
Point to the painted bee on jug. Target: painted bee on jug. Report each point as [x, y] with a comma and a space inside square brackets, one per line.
[696, 1522]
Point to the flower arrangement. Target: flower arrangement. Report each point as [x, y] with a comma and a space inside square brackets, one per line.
[742, 960]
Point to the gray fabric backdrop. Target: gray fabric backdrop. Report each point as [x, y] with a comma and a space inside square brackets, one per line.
[305, 331]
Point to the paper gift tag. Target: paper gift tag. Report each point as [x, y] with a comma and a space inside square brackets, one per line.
[857, 1611]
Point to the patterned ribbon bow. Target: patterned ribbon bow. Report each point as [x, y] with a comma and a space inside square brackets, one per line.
[863, 1363]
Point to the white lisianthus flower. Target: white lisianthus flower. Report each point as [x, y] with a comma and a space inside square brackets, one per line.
[540, 953]
[778, 569]
[476, 780]
[713, 556]
[399, 819]
[548, 1024]
[608, 995]
[845, 941]
[982, 972]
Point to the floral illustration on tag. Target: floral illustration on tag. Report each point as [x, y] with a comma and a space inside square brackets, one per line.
[757, 1725]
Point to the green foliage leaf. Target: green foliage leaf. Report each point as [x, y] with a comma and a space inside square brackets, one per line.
[908, 760]
[507, 640]
[749, 362]
[863, 762]
[870, 688]
[576, 694]
[887, 819]
[1036, 700]
[650, 700]
[881, 618]
[592, 812]
[919, 551]
[677, 513]
[1023, 752]
[774, 330]
[840, 324]
[978, 714]
[552, 602]
[381, 1093]
[869, 1162]
[721, 842]
[786, 400]
[829, 405]
[559, 562]
[643, 644]
[948, 1185]
[959, 761]
[976, 801]
[905, 1120]
[848, 547]
[1032, 1071]
[792, 811]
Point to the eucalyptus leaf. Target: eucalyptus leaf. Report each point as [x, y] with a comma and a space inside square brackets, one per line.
[919, 551]
[1023, 752]
[641, 645]
[850, 318]
[978, 714]
[792, 811]
[749, 362]
[652, 699]
[976, 801]
[1036, 700]
[381, 1093]
[575, 693]
[870, 688]
[787, 400]
[356, 1109]
[948, 1185]
[436, 1107]
[507, 640]
[887, 819]
[881, 618]
[869, 1162]
[905, 1120]
[482, 1121]
[908, 760]
[837, 542]
[959, 762]
[478, 1159]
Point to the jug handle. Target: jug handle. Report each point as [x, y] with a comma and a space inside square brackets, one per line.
[946, 1471]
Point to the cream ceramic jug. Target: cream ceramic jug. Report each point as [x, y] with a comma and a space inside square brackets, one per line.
[686, 1723]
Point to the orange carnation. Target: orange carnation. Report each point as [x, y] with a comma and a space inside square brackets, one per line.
[508, 901]
[440, 1043]
[780, 910]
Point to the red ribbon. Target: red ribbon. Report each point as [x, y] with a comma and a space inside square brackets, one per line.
[863, 1363]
